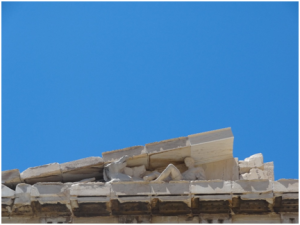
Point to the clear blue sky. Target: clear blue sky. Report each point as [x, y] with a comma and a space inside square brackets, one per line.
[79, 79]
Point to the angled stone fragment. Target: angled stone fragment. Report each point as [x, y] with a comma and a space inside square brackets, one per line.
[11, 178]
[46, 173]
[81, 169]
[23, 194]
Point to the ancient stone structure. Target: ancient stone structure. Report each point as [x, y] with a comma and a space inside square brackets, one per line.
[192, 179]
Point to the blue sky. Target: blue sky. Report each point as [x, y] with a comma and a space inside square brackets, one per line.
[79, 79]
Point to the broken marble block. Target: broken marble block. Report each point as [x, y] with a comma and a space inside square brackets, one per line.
[269, 169]
[7, 195]
[254, 174]
[285, 186]
[51, 192]
[11, 178]
[82, 169]
[45, 173]
[254, 161]
[22, 203]
[251, 186]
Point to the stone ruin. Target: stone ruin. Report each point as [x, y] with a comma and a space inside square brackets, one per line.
[193, 179]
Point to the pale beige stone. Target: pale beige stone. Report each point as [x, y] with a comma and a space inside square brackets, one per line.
[254, 174]
[6, 192]
[285, 185]
[258, 196]
[224, 169]
[22, 194]
[217, 197]
[164, 219]
[51, 193]
[20, 219]
[11, 178]
[82, 169]
[210, 187]
[254, 161]
[98, 219]
[256, 218]
[116, 154]
[170, 188]
[46, 173]
[90, 189]
[289, 217]
[167, 145]
[185, 199]
[130, 188]
[92, 199]
[211, 146]
[164, 158]
[290, 196]
[123, 199]
[248, 186]
[188, 219]
[269, 169]
[136, 172]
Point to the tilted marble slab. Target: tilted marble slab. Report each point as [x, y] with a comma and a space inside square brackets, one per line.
[211, 146]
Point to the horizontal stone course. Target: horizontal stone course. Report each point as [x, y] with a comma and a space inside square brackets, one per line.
[210, 187]
[251, 186]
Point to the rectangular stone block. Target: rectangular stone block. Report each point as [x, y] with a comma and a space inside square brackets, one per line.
[167, 145]
[258, 196]
[185, 199]
[222, 170]
[11, 178]
[22, 194]
[90, 189]
[290, 196]
[96, 219]
[130, 188]
[92, 199]
[217, 197]
[210, 187]
[134, 199]
[46, 173]
[171, 188]
[50, 193]
[247, 186]
[82, 169]
[256, 218]
[285, 185]
[211, 146]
